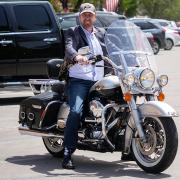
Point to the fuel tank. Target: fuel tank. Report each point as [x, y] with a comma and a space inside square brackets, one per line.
[108, 87]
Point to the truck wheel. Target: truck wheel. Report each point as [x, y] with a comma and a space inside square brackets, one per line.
[54, 146]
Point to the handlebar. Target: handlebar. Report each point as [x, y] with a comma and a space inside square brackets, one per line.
[96, 59]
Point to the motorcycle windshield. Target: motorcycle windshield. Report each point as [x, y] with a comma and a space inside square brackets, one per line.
[128, 46]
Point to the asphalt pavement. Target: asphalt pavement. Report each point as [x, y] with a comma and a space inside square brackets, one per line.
[25, 157]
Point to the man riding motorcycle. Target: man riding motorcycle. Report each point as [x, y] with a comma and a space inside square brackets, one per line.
[82, 75]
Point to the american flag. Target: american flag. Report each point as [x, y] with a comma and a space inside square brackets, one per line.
[111, 5]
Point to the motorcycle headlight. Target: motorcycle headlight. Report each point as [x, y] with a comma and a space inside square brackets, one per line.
[129, 79]
[147, 78]
[162, 80]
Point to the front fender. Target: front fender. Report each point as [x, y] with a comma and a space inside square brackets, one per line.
[156, 109]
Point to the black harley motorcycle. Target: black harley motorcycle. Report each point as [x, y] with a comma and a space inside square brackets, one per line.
[125, 111]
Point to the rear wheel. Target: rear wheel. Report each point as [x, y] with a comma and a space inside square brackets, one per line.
[157, 154]
[156, 47]
[54, 146]
[169, 44]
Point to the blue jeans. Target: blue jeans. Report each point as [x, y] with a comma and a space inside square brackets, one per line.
[78, 90]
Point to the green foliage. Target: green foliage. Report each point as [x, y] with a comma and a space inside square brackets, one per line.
[56, 4]
[169, 9]
[128, 7]
[76, 3]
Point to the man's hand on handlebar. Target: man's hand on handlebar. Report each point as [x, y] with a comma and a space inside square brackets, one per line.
[83, 60]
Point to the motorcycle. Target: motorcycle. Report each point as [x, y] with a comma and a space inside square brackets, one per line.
[125, 111]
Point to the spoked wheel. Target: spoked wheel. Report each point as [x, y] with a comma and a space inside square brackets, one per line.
[158, 152]
[54, 146]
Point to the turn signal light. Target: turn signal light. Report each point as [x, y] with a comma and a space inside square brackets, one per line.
[127, 96]
[161, 96]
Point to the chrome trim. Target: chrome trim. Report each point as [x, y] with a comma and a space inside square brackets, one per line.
[104, 129]
[137, 120]
[31, 116]
[17, 33]
[129, 135]
[23, 115]
[6, 42]
[50, 39]
[159, 80]
[36, 106]
[45, 84]
[92, 121]
[23, 130]
[111, 125]
[13, 84]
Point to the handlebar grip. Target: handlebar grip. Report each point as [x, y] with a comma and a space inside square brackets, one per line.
[96, 58]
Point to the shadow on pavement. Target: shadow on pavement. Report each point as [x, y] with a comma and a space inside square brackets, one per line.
[85, 167]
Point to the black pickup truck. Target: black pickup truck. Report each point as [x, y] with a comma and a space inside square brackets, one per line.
[29, 36]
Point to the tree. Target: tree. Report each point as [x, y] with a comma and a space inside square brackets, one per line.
[76, 3]
[168, 9]
[128, 7]
[159, 8]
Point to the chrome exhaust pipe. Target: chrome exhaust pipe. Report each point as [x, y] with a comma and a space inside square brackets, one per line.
[24, 130]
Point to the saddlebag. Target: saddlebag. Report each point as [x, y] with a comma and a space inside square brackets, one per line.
[40, 111]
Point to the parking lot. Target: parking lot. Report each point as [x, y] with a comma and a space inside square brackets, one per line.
[25, 157]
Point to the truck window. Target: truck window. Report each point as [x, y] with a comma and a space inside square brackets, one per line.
[4, 26]
[32, 18]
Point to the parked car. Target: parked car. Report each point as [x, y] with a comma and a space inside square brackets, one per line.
[29, 37]
[172, 38]
[147, 26]
[171, 32]
[153, 43]
[104, 19]
[178, 24]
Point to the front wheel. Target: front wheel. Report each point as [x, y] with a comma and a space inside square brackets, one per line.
[54, 146]
[158, 152]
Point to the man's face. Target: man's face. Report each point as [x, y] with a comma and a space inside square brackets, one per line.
[87, 19]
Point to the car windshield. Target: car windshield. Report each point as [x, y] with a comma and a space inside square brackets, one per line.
[128, 46]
